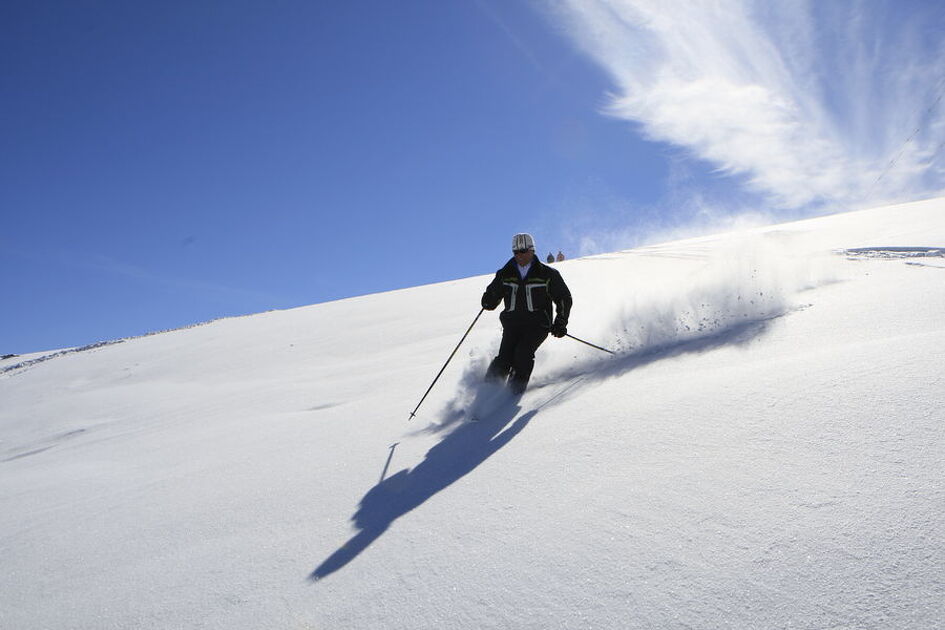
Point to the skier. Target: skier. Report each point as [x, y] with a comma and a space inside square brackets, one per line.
[550, 258]
[528, 288]
[560, 256]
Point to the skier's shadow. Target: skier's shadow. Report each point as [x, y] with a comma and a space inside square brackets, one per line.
[467, 446]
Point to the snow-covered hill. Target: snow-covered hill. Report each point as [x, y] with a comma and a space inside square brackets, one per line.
[767, 450]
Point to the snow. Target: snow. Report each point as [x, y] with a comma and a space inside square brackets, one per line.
[766, 451]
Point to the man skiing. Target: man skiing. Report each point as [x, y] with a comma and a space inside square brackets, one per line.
[528, 288]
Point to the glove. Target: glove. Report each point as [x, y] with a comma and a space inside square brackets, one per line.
[488, 303]
[559, 330]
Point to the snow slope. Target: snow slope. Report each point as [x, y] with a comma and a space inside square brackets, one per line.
[766, 451]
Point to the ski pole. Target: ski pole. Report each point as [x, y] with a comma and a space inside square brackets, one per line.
[587, 343]
[414, 412]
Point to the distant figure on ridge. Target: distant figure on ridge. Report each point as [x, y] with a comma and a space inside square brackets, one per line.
[529, 288]
[560, 256]
[550, 258]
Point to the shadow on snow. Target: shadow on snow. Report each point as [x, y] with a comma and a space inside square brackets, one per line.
[471, 443]
[606, 367]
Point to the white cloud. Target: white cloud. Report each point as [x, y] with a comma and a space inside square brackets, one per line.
[807, 102]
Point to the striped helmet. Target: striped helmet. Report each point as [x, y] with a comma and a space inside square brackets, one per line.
[523, 241]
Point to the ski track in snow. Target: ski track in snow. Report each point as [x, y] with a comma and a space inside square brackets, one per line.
[893, 252]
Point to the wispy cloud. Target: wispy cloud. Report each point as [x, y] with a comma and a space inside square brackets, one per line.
[516, 41]
[809, 103]
[106, 264]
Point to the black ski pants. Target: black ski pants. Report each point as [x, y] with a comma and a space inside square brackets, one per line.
[516, 356]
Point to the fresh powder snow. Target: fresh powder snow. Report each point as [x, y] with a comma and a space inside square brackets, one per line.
[765, 450]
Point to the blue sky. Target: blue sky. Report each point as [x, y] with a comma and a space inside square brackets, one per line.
[168, 163]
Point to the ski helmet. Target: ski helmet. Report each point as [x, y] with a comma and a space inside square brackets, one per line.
[523, 241]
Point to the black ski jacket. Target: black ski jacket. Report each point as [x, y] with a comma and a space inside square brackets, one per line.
[528, 300]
